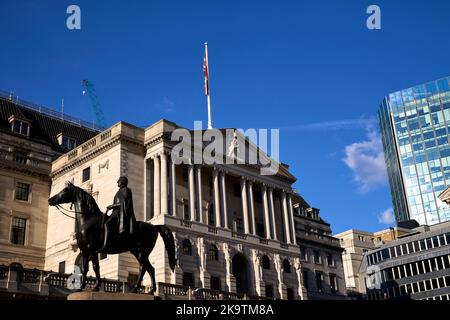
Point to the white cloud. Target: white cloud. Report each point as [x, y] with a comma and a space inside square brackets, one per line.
[166, 105]
[366, 160]
[386, 217]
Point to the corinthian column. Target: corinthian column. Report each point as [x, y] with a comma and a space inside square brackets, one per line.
[291, 219]
[245, 205]
[191, 193]
[266, 212]
[216, 197]
[252, 207]
[287, 229]
[156, 187]
[164, 193]
[173, 191]
[199, 193]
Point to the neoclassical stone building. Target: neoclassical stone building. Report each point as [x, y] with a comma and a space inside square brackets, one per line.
[234, 227]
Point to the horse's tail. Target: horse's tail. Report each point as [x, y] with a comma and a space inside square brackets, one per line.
[169, 243]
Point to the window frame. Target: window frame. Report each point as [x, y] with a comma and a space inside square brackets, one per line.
[29, 191]
[25, 233]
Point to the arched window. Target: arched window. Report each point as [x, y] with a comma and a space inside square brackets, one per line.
[265, 262]
[187, 247]
[213, 253]
[286, 266]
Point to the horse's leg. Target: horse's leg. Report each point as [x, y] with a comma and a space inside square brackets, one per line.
[142, 270]
[85, 266]
[151, 272]
[96, 266]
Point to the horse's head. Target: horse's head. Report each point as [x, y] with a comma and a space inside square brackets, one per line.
[66, 195]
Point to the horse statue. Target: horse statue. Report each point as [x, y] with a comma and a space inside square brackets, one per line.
[89, 231]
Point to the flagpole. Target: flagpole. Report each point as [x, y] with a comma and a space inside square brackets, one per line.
[209, 91]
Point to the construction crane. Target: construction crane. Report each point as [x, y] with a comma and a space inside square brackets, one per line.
[89, 90]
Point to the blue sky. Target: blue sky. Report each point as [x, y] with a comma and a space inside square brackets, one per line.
[311, 68]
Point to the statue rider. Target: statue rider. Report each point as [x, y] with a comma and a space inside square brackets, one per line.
[122, 220]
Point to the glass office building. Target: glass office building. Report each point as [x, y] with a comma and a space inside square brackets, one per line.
[414, 126]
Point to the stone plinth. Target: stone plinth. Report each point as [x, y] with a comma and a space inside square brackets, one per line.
[90, 295]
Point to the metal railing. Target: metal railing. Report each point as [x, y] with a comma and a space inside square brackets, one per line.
[49, 112]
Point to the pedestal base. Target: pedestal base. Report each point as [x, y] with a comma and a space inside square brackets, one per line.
[91, 295]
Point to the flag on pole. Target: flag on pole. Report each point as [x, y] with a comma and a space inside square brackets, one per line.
[206, 72]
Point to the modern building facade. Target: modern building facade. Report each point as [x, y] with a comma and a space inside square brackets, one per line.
[414, 126]
[356, 244]
[416, 266]
[320, 254]
[31, 137]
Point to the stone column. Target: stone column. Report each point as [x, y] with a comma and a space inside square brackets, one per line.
[252, 208]
[266, 212]
[191, 192]
[156, 187]
[216, 197]
[229, 278]
[164, 185]
[204, 275]
[302, 292]
[282, 290]
[173, 191]
[147, 191]
[199, 193]
[287, 228]
[272, 214]
[224, 199]
[245, 205]
[291, 219]
[259, 283]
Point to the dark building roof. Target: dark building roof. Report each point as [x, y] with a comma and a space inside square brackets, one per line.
[296, 198]
[44, 126]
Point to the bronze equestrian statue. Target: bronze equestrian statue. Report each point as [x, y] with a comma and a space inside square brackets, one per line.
[119, 233]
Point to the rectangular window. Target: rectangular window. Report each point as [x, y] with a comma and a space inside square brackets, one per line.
[260, 231]
[404, 249]
[330, 260]
[421, 286]
[319, 281]
[306, 279]
[20, 127]
[68, 143]
[435, 242]
[188, 279]
[333, 283]
[62, 267]
[415, 287]
[422, 244]
[215, 283]
[441, 282]
[429, 243]
[385, 254]
[20, 157]
[410, 247]
[317, 258]
[18, 230]
[303, 255]
[86, 174]
[420, 267]
[22, 191]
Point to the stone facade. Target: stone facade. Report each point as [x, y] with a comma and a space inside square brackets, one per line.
[226, 218]
[30, 139]
[320, 254]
